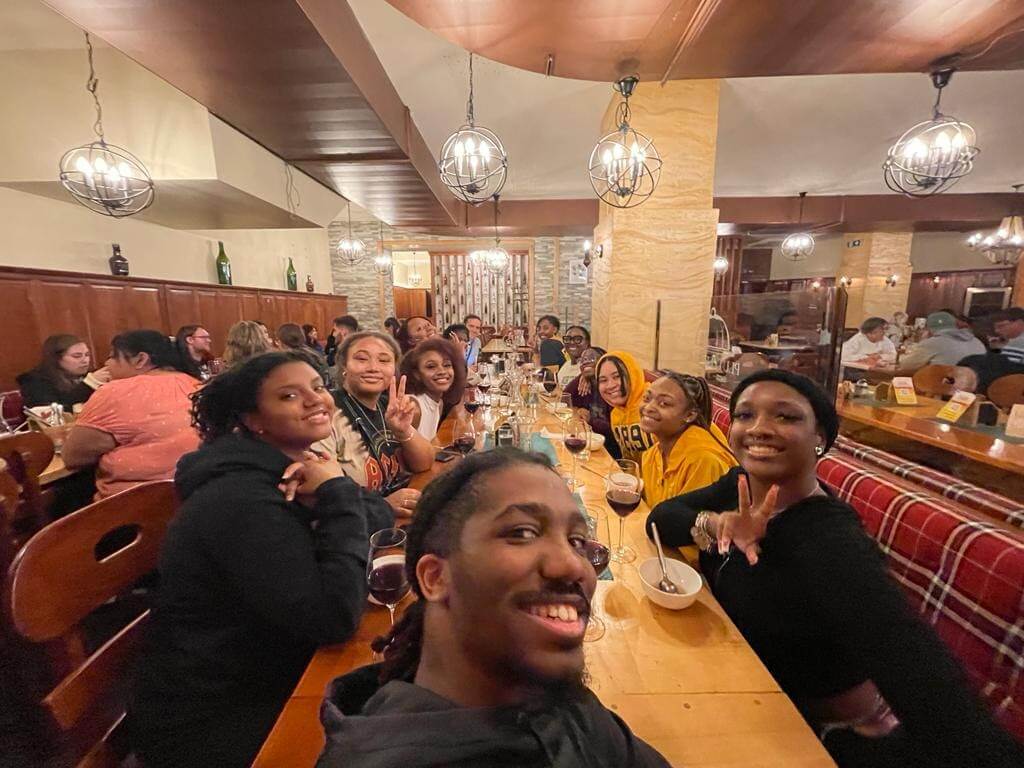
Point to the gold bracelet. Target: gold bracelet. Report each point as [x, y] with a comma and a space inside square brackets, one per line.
[412, 434]
[701, 534]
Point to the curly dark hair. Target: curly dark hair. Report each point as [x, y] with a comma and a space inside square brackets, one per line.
[410, 368]
[442, 511]
[218, 407]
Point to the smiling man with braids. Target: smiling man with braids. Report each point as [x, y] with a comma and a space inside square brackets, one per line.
[486, 666]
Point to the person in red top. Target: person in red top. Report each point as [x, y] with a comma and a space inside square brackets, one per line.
[137, 427]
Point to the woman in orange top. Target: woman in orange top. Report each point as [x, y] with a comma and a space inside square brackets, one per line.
[139, 425]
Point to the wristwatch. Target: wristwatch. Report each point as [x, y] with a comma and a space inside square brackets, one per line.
[701, 532]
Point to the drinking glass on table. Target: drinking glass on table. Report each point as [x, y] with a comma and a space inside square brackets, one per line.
[599, 555]
[472, 402]
[464, 436]
[485, 387]
[548, 381]
[563, 408]
[623, 488]
[385, 568]
[576, 436]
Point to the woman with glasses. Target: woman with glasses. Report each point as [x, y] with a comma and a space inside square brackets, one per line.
[690, 452]
[575, 340]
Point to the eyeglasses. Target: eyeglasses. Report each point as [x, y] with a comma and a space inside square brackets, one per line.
[203, 338]
[574, 339]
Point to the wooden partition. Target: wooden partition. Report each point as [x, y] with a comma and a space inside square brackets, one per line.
[37, 303]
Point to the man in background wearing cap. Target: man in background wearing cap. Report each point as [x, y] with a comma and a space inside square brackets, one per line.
[945, 345]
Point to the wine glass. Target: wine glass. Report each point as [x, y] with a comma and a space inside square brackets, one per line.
[471, 403]
[576, 436]
[464, 436]
[623, 488]
[385, 568]
[484, 385]
[599, 555]
[548, 380]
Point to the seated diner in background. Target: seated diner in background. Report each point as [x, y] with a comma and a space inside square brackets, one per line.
[486, 666]
[340, 328]
[576, 339]
[414, 330]
[621, 384]
[458, 334]
[869, 347]
[1009, 326]
[549, 349]
[292, 338]
[474, 325]
[312, 337]
[808, 589]
[137, 426]
[264, 561]
[195, 345]
[435, 378]
[371, 434]
[62, 375]
[589, 405]
[245, 339]
[690, 451]
[946, 344]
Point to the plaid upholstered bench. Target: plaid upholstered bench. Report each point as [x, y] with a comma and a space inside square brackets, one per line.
[964, 575]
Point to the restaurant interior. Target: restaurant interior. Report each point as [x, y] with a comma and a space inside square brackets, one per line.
[745, 275]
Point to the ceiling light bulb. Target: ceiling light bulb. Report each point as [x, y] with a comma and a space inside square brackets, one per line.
[82, 166]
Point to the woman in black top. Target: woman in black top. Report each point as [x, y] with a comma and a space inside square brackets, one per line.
[809, 590]
[251, 581]
[61, 375]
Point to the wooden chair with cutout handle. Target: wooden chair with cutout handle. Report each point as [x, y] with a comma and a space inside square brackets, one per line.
[943, 380]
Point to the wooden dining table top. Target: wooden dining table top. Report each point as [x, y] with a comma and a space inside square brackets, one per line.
[684, 681]
[917, 422]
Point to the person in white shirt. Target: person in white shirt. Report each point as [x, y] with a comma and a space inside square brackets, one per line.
[1009, 325]
[870, 347]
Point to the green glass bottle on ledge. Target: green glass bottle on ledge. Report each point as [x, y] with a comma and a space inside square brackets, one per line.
[292, 276]
[223, 266]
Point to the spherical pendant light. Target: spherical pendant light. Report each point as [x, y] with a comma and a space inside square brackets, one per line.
[798, 245]
[496, 259]
[473, 162]
[933, 155]
[351, 250]
[1005, 246]
[624, 166]
[103, 177]
[382, 261]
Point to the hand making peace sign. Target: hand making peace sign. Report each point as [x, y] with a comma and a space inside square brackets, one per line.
[747, 527]
[401, 410]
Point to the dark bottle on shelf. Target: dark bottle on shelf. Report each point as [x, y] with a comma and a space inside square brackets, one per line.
[309, 284]
[223, 266]
[292, 276]
[118, 263]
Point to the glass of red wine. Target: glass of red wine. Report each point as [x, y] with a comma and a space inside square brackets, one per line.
[599, 555]
[548, 380]
[484, 385]
[623, 489]
[385, 568]
[576, 436]
[464, 436]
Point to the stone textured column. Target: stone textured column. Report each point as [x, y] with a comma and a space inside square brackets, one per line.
[1017, 297]
[663, 249]
[869, 264]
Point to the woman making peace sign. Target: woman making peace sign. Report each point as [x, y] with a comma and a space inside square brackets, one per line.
[806, 586]
[372, 435]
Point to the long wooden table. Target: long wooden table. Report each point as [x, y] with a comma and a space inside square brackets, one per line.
[685, 681]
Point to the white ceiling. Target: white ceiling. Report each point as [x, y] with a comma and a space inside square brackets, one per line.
[28, 25]
[777, 136]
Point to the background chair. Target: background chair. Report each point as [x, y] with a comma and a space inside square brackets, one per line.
[59, 578]
[24, 457]
[944, 380]
[1007, 391]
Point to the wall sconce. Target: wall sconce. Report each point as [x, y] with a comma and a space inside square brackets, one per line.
[816, 285]
[845, 281]
[590, 251]
[936, 279]
[891, 280]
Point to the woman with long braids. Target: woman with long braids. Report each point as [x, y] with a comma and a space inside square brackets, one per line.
[807, 587]
[486, 667]
[264, 561]
[690, 452]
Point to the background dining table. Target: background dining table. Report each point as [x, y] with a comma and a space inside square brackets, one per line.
[684, 681]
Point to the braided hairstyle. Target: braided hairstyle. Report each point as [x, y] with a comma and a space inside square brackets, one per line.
[698, 393]
[441, 512]
[218, 407]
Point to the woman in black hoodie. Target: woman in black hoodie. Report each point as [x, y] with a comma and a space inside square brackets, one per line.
[251, 581]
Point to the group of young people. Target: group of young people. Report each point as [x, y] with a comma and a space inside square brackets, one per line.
[266, 560]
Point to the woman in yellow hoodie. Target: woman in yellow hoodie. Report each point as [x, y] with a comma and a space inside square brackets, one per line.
[691, 452]
[621, 384]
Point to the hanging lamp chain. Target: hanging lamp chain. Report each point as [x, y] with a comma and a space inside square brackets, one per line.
[800, 216]
[92, 85]
[469, 104]
[348, 208]
[497, 239]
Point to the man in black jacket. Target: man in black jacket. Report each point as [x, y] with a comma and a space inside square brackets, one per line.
[486, 667]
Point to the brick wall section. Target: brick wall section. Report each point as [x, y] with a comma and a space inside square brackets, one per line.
[360, 283]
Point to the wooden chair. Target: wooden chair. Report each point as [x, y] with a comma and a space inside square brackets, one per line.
[1007, 391]
[63, 574]
[24, 457]
[944, 380]
[10, 493]
[12, 408]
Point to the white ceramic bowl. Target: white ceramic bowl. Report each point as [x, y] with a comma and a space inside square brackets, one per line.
[685, 577]
[596, 442]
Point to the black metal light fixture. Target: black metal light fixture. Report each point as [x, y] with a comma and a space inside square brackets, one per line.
[382, 261]
[933, 155]
[351, 249]
[1005, 246]
[624, 166]
[590, 251]
[103, 177]
[496, 259]
[798, 245]
[473, 162]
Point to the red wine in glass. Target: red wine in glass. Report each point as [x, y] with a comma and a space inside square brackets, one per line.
[388, 583]
[471, 406]
[550, 385]
[464, 444]
[575, 444]
[622, 502]
[599, 556]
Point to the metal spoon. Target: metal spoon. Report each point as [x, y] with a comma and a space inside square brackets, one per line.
[666, 584]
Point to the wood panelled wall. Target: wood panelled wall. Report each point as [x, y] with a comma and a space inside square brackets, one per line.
[37, 303]
[927, 296]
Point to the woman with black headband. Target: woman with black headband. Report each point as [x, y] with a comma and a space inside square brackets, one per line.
[806, 586]
[691, 451]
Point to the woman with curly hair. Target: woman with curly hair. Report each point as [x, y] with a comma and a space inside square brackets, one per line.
[435, 373]
[264, 561]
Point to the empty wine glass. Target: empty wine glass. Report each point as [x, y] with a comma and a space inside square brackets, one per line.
[576, 436]
[623, 488]
[599, 555]
[385, 568]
